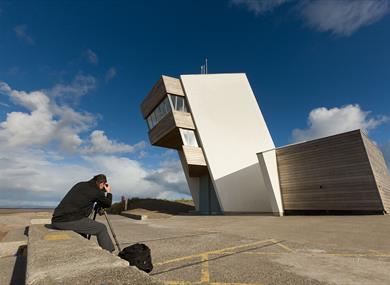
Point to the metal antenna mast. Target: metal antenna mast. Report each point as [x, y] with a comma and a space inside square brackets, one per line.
[204, 68]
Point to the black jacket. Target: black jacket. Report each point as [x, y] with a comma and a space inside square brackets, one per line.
[78, 202]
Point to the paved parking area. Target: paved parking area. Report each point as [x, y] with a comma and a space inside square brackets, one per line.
[245, 250]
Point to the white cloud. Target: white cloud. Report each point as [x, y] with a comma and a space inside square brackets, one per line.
[99, 143]
[325, 122]
[91, 56]
[343, 17]
[21, 128]
[4, 104]
[170, 178]
[31, 178]
[340, 17]
[36, 172]
[21, 33]
[131, 179]
[80, 86]
[49, 122]
[44, 122]
[259, 6]
[110, 74]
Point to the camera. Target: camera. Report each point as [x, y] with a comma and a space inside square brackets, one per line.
[99, 209]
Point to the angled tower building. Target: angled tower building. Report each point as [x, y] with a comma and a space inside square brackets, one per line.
[231, 163]
[215, 123]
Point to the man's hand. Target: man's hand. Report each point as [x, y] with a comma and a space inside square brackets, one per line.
[107, 187]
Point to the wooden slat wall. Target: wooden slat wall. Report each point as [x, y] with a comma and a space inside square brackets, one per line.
[195, 160]
[165, 126]
[183, 120]
[171, 140]
[194, 155]
[159, 91]
[173, 120]
[331, 173]
[155, 96]
[380, 171]
[173, 85]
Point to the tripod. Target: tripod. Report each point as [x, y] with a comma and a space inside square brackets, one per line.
[98, 209]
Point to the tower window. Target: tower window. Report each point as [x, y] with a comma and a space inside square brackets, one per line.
[159, 113]
[178, 103]
[188, 137]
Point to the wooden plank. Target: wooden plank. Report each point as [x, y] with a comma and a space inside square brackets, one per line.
[183, 120]
[313, 150]
[380, 171]
[173, 85]
[336, 139]
[331, 173]
[173, 120]
[165, 126]
[155, 96]
[310, 188]
[164, 86]
[171, 140]
[195, 160]
[318, 177]
[194, 155]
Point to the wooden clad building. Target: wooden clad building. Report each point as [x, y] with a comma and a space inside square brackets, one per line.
[344, 172]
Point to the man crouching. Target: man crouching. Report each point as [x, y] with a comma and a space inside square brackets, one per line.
[73, 211]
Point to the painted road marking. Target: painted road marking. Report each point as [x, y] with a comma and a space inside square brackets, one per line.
[281, 245]
[205, 275]
[218, 251]
[205, 271]
[204, 257]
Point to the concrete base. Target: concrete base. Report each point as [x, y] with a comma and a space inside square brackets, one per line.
[134, 216]
[278, 214]
[143, 214]
[64, 257]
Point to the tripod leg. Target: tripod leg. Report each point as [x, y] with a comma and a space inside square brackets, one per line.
[94, 218]
[112, 230]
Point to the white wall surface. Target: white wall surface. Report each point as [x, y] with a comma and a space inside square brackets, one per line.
[232, 131]
[269, 171]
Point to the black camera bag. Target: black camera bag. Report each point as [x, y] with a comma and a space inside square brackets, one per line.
[138, 255]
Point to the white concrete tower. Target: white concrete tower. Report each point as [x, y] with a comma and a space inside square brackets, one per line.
[215, 123]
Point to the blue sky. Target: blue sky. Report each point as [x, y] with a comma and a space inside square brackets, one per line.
[73, 75]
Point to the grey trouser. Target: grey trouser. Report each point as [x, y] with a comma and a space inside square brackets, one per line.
[90, 227]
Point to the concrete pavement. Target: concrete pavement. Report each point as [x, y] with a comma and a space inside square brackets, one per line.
[263, 249]
[244, 250]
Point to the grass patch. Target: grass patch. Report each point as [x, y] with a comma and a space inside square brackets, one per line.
[180, 206]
